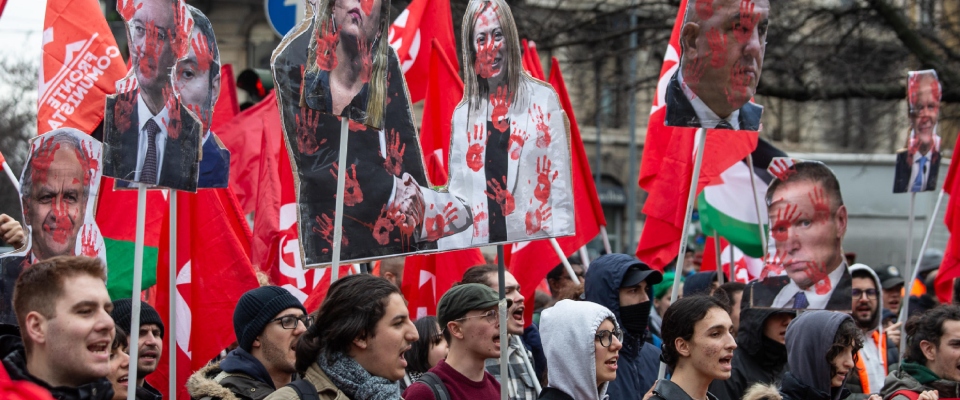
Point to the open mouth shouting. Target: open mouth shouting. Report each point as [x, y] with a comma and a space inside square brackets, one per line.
[100, 350]
[611, 363]
[726, 363]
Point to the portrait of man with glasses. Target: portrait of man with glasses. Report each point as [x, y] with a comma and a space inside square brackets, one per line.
[268, 322]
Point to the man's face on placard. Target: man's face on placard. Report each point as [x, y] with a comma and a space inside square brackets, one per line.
[197, 92]
[924, 109]
[151, 30]
[723, 47]
[57, 201]
[807, 225]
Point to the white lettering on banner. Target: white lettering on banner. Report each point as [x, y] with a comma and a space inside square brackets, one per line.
[290, 265]
[184, 317]
[69, 87]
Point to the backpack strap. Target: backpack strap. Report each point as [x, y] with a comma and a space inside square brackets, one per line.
[306, 391]
[439, 389]
[906, 393]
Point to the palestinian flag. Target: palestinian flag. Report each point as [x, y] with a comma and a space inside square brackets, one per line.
[727, 209]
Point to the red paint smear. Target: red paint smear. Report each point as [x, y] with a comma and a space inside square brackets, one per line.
[351, 189]
[479, 216]
[535, 220]
[821, 210]
[127, 9]
[718, 47]
[782, 169]
[123, 111]
[476, 142]
[501, 105]
[202, 50]
[517, 139]
[42, 159]
[786, 217]
[62, 220]
[704, 9]
[544, 179]
[543, 127]
[306, 131]
[501, 195]
[88, 242]
[327, 39]
[393, 162]
[486, 54]
[436, 227]
[173, 113]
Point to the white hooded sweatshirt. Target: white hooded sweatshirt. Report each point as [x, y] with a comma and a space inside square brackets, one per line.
[568, 331]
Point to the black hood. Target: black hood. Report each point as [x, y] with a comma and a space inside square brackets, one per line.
[240, 361]
[699, 283]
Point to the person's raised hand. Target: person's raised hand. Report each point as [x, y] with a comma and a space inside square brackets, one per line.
[12, 231]
[929, 395]
[893, 332]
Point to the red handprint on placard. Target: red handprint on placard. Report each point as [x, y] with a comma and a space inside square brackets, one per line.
[486, 56]
[737, 91]
[172, 122]
[501, 105]
[123, 110]
[351, 188]
[781, 168]
[537, 219]
[501, 195]
[817, 271]
[354, 126]
[821, 210]
[149, 52]
[86, 152]
[42, 159]
[366, 6]
[385, 224]
[718, 47]
[324, 229]
[773, 265]
[704, 9]
[181, 36]
[543, 127]
[477, 142]
[126, 8]
[327, 39]
[479, 220]
[786, 217]
[437, 227]
[89, 241]
[366, 59]
[63, 225]
[693, 70]
[544, 179]
[517, 139]
[748, 21]
[307, 131]
[393, 162]
[202, 50]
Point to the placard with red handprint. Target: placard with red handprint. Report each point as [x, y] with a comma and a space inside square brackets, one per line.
[918, 163]
[60, 182]
[152, 134]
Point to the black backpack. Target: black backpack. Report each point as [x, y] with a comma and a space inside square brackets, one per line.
[305, 390]
[436, 385]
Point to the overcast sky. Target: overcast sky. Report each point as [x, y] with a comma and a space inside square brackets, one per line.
[21, 28]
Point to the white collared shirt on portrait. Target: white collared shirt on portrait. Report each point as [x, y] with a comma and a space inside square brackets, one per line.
[143, 115]
[708, 118]
[785, 299]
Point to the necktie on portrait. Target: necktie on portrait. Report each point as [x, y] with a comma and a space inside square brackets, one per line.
[724, 124]
[149, 172]
[800, 301]
[918, 182]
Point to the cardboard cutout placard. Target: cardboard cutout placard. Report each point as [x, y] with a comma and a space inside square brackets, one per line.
[510, 144]
[59, 186]
[149, 135]
[346, 69]
[919, 163]
[723, 43]
[807, 222]
[390, 207]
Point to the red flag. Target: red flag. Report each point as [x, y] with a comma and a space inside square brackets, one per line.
[444, 91]
[426, 278]
[245, 136]
[950, 267]
[320, 289]
[422, 22]
[531, 261]
[227, 106]
[531, 60]
[668, 165]
[213, 271]
[81, 63]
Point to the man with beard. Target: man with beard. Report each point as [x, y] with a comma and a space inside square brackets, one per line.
[149, 344]
[929, 369]
[268, 321]
[879, 351]
[523, 383]
[918, 165]
[723, 47]
[625, 286]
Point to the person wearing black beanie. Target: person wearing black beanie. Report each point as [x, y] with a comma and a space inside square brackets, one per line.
[150, 342]
[268, 322]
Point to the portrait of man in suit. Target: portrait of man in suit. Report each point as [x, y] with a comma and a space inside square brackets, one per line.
[197, 79]
[807, 222]
[148, 137]
[918, 165]
[722, 44]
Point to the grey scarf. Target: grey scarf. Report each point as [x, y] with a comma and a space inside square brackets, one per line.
[355, 381]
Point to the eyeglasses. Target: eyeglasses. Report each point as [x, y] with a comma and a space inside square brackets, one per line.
[290, 321]
[857, 293]
[490, 316]
[606, 337]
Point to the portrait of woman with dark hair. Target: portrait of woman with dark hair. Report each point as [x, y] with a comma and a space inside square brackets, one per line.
[510, 144]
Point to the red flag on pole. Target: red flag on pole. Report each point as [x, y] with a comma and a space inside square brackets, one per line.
[444, 91]
[531, 60]
[531, 261]
[81, 63]
[245, 136]
[668, 165]
[950, 267]
[426, 278]
[227, 106]
[422, 22]
[213, 271]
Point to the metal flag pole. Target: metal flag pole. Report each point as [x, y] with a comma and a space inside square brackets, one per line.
[137, 283]
[585, 257]
[904, 313]
[172, 341]
[563, 260]
[756, 203]
[701, 142]
[13, 178]
[502, 309]
[341, 182]
[716, 249]
[606, 240]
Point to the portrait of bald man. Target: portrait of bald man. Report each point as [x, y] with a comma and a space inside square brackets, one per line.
[722, 46]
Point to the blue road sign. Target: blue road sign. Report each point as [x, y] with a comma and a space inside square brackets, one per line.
[283, 15]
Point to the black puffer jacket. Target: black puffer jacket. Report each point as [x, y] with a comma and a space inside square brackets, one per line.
[666, 390]
[757, 358]
[15, 362]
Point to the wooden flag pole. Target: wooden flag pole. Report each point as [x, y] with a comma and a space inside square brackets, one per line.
[701, 143]
[341, 182]
[13, 178]
[502, 309]
[137, 283]
[172, 342]
[564, 261]
[717, 249]
[904, 313]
